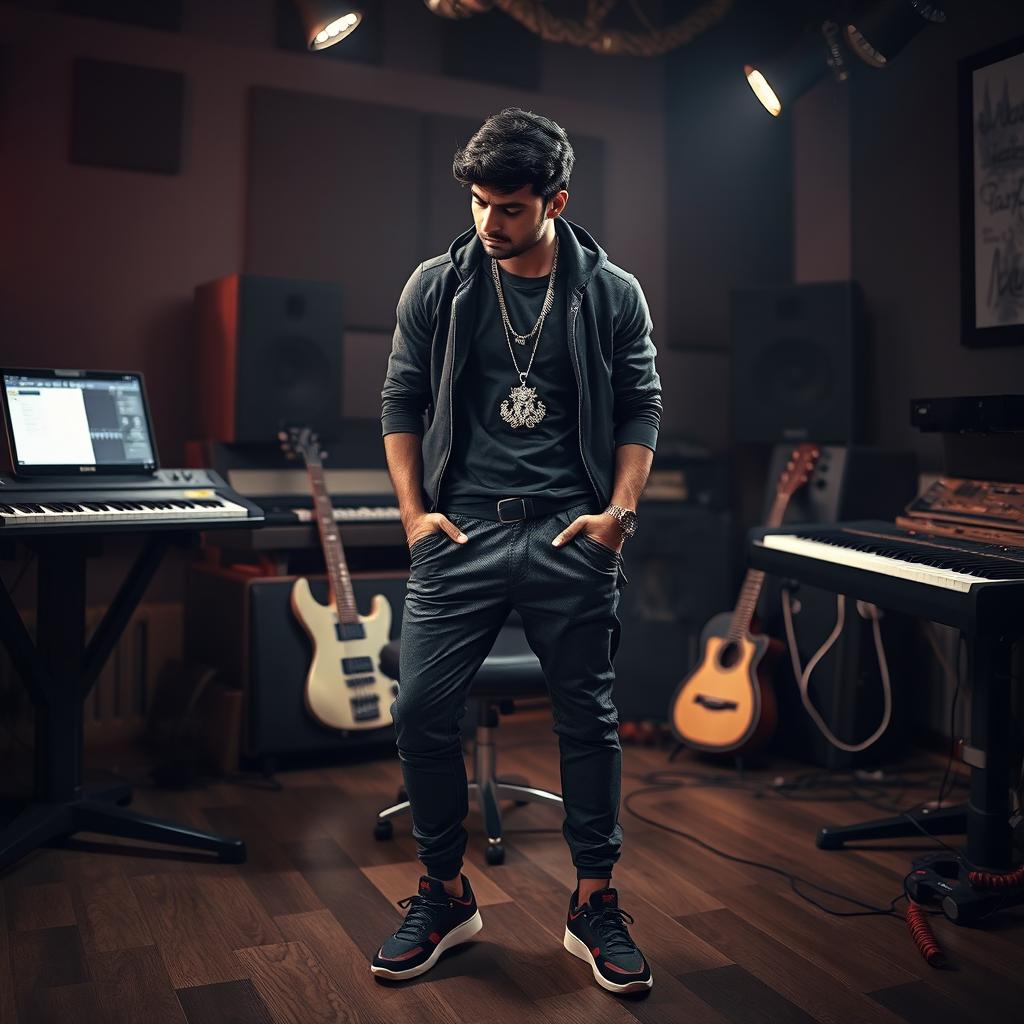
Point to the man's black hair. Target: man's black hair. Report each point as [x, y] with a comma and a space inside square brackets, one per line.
[513, 149]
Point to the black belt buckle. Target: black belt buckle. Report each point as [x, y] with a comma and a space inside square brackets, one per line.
[514, 519]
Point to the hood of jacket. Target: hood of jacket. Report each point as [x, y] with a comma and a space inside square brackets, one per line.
[578, 253]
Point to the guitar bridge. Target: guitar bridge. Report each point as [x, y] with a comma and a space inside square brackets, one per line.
[715, 703]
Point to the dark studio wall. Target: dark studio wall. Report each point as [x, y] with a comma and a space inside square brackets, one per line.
[860, 179]
[905, 226]
[99, 263]
[729, 205]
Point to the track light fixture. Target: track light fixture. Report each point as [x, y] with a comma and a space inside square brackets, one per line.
[888, 27]
[326, 22]
[778, 82]
[876, 38]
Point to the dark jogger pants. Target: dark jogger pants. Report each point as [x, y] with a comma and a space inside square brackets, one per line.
[458, 598]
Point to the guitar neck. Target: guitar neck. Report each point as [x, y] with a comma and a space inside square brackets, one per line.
[342, 595]
[746, 605]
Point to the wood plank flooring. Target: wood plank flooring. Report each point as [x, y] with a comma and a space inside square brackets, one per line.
[120, 933]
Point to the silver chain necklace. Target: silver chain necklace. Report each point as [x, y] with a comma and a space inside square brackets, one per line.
[523, 408]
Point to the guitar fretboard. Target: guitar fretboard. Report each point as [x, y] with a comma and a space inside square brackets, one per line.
[342, 594]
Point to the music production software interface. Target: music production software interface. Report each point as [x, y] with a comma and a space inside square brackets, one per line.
[78, 422]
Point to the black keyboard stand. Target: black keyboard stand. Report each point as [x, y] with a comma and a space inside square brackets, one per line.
[948, 821]
[59, 670]
[985, 817]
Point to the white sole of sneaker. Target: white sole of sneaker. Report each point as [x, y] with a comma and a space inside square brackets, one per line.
[578, 948]
[462, 933]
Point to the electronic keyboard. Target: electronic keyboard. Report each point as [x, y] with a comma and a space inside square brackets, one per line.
[947, 579]
[165, 499]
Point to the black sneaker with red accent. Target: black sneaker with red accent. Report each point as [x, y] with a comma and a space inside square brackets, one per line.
[596, 933]
[435, 921]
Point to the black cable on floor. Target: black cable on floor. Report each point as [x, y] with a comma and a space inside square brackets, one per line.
[806, 782]
[793, 879]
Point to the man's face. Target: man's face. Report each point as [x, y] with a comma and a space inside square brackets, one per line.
[508, 223]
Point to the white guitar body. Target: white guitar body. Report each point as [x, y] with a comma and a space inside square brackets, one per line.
[345, 689]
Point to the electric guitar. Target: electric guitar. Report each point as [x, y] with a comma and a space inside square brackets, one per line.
[727, 702]
[345, 689]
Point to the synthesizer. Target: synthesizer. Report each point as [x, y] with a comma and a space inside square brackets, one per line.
[357, 482]
[948, 579]
[165, 499]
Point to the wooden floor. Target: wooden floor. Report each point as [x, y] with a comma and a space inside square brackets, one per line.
[158, 936]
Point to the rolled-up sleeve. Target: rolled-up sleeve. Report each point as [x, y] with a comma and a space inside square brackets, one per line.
[635, 381]
[406, 392]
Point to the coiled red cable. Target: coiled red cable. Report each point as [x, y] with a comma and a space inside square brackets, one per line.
[996, 880]
[921, 933]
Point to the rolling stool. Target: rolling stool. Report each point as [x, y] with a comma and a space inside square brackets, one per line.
[510, 671]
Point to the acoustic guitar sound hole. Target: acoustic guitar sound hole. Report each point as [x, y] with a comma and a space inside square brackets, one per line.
[729, 655]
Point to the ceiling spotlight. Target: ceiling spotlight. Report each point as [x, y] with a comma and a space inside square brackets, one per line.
[779, 81]
[326, 22]
[888, 27]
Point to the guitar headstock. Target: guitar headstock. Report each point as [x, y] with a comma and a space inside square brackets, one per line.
[798, 469]
[302, 442]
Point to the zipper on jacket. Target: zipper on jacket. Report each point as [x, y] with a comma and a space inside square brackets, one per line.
[576, 303]
[451, 412]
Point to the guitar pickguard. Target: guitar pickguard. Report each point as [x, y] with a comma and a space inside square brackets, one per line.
[345, 688]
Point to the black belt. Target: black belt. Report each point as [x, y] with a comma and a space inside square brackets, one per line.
[512, 510]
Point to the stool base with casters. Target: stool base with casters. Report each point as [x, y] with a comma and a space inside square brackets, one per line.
[486, 787]
[511, 670]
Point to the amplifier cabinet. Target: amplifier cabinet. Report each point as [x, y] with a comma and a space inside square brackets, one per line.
[681, 571]
[243, 626]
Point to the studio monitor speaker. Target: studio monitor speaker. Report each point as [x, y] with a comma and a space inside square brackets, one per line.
[269, 355]
[798, 354]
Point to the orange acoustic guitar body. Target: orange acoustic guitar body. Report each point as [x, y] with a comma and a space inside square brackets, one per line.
[727, 703]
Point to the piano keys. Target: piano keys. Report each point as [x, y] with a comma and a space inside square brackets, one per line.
[902, 554]
[348, 514]
[964, 583]
[122, 503]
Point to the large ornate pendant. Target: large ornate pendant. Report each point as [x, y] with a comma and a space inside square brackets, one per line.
[525, 410]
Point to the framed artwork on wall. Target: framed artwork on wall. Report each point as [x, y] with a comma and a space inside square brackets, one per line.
[991, 88]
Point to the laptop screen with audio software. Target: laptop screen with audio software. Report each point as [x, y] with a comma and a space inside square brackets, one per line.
[77, 421]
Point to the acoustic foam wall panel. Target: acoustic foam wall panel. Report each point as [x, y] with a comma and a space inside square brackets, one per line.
[360, 193]
[126, 116]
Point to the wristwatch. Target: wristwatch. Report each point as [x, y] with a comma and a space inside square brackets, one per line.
[626, 518]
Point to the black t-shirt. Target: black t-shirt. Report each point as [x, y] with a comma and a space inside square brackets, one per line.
[490, 457]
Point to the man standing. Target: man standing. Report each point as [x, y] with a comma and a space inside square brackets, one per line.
[531, 353]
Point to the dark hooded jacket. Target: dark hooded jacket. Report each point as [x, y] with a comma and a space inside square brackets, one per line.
[608, 331]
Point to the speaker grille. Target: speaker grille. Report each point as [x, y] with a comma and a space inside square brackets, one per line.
[798, 353]
[271, 356]
[304, 380]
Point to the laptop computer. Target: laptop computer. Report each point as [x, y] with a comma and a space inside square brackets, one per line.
[77, 422]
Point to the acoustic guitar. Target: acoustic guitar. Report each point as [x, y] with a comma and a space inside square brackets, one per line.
[344, 689]
[727, 703]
